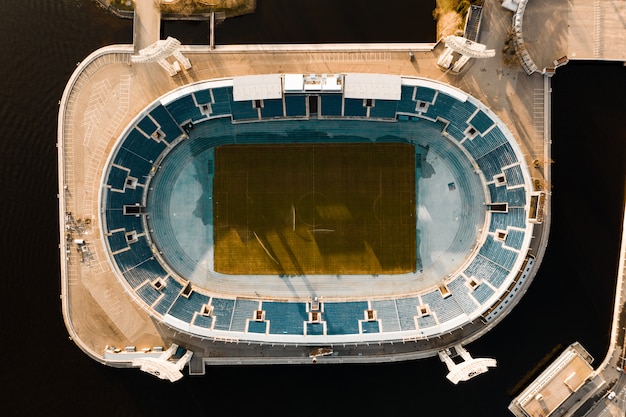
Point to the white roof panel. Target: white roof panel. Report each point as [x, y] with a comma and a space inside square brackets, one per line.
[257, 87]
[376, 86]
[294, 82]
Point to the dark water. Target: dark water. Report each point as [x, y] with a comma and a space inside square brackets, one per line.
[319, 21]
[43, 373]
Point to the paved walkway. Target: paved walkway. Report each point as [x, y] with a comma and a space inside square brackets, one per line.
[597, 29]
[147, 24]
[578, 29]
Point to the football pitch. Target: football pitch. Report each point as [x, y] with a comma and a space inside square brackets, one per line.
[303, 209]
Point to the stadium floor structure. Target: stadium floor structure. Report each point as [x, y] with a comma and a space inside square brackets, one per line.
[473, 211]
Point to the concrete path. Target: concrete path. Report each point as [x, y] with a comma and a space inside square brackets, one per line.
[578, 29]
[147, 24]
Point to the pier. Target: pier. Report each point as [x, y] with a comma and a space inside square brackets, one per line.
[146, 24]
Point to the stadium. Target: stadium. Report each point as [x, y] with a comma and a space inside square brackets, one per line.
[318, 210]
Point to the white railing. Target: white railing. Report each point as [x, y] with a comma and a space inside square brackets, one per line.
[520, 46]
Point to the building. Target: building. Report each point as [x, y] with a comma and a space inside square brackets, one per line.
[564, 377]
[288, 217]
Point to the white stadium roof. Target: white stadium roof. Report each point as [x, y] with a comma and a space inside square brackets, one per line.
[375, 86]
[257, 87]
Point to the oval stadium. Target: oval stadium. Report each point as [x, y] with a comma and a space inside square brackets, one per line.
[320, 210]
[299, 204]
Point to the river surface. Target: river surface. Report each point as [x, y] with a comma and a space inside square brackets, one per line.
[44, 373]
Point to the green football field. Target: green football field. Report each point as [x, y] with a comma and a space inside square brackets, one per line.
[301, 209]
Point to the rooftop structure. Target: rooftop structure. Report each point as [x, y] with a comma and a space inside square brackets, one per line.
[566, 375]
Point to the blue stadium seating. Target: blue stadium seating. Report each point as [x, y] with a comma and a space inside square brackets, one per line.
[343, 318]
[491, 164]
[117, 178]
[331, 105]
[223, 312]
[117, 241]
[148, 293]
[168, 124]
[272, 108]
[139, 167]
[139, 252]
[370, 327]
[425, 94]
[387, 314]
[407, 310]
[459, 291]
[295, 105]
[257, 326]
[495, 252]
[244, 310]
[514, 176]
[424, 322]
[514, 197]
[150, 269]
[444, 308]
[406, 104]
[384, 109]
[147, 125]
[516, 217]
[115, 219]
[480, 146]
[452, 110]
[147, 148]
[353, 107]
[222, 98]
[185, 110]
[514, 239]
[223, 140]
[203, 321]
[170, 292]
[185, 307]
[203, 97]
[481, 267]
[136, 277]
[244, 110]
[285, 318]
[482, 293]
[117, 199]
[456, 131]
[481, 122]
[314, 329]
